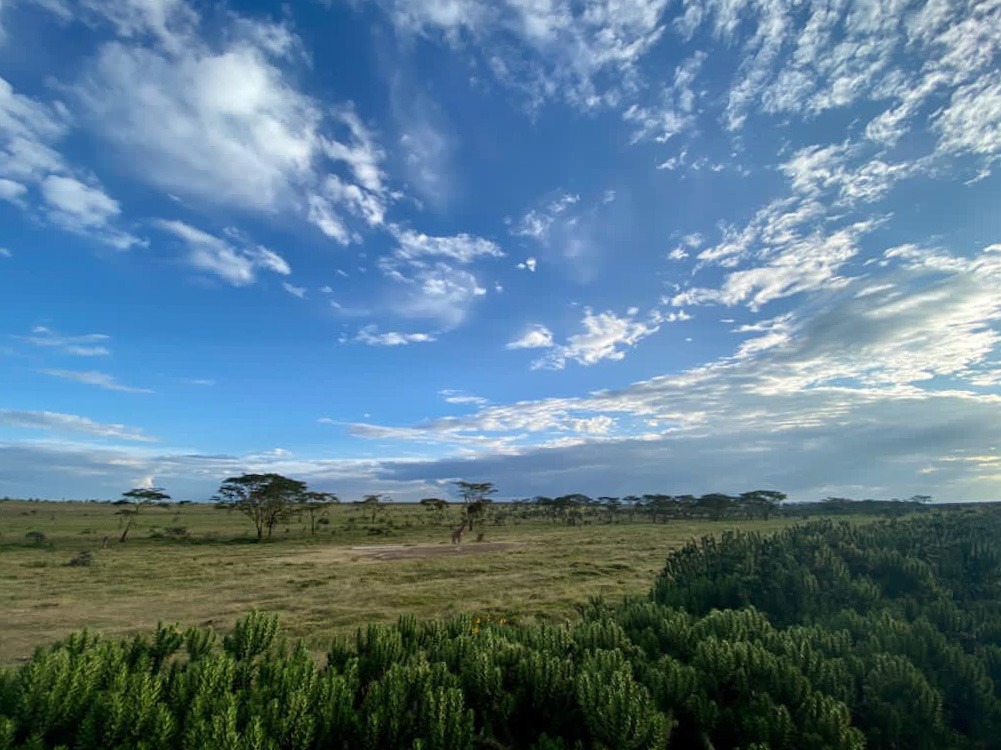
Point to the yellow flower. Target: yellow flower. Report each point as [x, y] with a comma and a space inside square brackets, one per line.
[476, 630]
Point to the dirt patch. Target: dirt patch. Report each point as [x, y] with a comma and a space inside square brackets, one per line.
[335, 555]
[439, 550]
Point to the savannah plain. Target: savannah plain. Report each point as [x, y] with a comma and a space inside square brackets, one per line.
[197, 565]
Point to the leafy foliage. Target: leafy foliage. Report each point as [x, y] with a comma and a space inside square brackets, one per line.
[265, 499]
[828, 635]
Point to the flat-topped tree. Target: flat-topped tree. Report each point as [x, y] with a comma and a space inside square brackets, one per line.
[375, 504]
[145, 496]
[139, 497]
[314, 502]
[475, 497]
[265, 499]
[763, 502]
[435, 506]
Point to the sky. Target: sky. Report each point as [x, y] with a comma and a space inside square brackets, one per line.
[601, 246]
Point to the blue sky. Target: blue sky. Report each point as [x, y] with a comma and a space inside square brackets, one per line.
[613, 247]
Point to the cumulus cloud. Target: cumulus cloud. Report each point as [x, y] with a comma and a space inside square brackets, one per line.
[529, 264]
[605, 336]
[535, 337]
[222, 122]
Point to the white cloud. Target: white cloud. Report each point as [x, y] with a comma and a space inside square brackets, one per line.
[29, 130]
[587, 55]
[93, 377]
[86, 345]
[461, 248]
[76, 204]
[971, 122]
[169, 22]
[536, 222]
[450, 396]
[295, 291]
[606, 336]
[236, 265]
[223, 123]
[535, 337]
[56, 421]
[427, 287]
[675, 113]
[11, 191]
[221, 127]
[568, 231]
[815, 171]
[5, 253]
[370, 335]
[437, 292]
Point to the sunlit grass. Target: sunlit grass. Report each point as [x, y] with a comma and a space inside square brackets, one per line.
[321, 585]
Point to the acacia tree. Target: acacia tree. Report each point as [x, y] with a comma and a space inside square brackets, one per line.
[436, 506]
[314, 502]
[139, 497]
[762, 502]
[375, 504]
[475, 497]
[265, 499]
[716, 504]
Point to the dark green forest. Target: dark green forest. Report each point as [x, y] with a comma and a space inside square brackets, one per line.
[831, 634]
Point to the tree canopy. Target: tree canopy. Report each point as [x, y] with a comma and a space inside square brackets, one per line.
[265, 499]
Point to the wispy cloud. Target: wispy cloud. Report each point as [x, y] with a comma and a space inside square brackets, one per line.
[93, 377]
[237, 265]
[450, 396]
[295, 291]
[58, 422]
[87, 345]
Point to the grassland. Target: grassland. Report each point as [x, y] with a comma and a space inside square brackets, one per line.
[343, 577]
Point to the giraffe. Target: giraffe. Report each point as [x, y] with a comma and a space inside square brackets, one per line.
[457, 533]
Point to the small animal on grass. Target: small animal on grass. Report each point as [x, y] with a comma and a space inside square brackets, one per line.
[457, 534]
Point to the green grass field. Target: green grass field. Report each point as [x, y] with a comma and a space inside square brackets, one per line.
[343, 577]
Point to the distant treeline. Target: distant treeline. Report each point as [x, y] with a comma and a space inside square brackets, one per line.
[577, 507]
[829, 635]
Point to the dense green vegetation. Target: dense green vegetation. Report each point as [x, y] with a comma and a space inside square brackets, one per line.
[826, 635]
